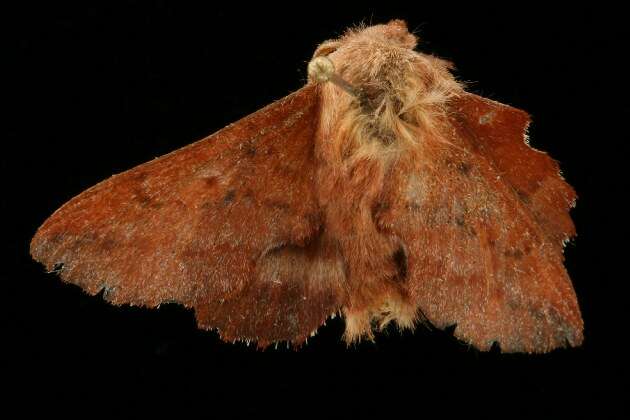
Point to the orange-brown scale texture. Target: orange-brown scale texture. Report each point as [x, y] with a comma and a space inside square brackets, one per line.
[411, 199]
[194, 225]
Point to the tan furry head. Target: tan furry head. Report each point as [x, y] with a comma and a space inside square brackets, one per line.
[401, 91]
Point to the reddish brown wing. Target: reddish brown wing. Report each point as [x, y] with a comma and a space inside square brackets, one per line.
[483, 219]
[217, 225]
[498, 132]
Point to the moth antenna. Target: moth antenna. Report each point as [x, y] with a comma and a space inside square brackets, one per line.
[321, 69]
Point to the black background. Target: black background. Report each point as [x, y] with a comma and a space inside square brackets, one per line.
[95, 90]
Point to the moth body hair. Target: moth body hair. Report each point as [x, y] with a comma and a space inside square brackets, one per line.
[401, 97]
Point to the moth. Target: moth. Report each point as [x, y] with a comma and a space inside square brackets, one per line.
[381, 191]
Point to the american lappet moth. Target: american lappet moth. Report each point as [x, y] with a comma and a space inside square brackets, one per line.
[381, 191]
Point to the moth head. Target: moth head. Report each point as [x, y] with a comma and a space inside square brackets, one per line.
[377, 76]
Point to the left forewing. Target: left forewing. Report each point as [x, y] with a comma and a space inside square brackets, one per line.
[228, 225]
